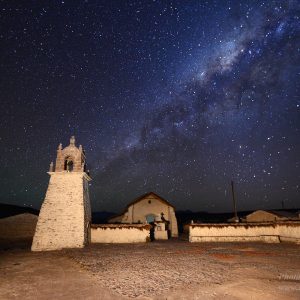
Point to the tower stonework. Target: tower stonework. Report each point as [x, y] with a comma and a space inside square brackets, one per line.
[65, 216]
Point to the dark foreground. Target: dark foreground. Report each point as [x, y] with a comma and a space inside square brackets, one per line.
[159, 270]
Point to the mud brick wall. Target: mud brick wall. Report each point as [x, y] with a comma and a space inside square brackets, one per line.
[120, 233]
[65, 214]
[266, 232]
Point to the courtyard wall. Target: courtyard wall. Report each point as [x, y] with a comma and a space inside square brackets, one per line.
[120, 233]
[250, 232]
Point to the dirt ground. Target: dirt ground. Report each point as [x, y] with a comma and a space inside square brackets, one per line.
[171, 269]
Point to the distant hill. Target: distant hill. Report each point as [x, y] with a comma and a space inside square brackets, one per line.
[8, 210]
[20, 226]
[205, 217]
[184, 216]
[101, 217]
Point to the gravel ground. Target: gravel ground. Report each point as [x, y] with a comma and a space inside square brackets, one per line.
[160, 268]
[169, 270]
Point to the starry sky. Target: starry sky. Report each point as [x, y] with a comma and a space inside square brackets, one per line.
[175, 97]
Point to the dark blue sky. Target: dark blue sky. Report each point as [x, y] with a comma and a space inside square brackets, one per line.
[175, 97]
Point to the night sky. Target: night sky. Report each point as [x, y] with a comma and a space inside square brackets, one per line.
[175, 97]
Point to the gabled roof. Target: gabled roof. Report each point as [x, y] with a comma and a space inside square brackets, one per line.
[161, 199]
[259, 211]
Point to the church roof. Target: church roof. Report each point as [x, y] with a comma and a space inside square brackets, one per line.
[161, 199]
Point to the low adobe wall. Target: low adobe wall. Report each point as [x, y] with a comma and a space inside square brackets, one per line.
[120, 233]
[250, 232]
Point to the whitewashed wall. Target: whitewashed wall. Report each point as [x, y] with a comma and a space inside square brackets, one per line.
[63, 220]
[138, 211]
[120, 233]
[274, 232]
[289, 232]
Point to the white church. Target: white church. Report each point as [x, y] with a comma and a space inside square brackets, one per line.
[149, 208]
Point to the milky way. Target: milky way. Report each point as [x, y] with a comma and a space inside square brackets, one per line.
[172, 97]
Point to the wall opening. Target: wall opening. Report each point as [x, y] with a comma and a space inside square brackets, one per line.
[150, 218]
[69, 165]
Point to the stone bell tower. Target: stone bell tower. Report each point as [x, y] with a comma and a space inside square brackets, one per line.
[65, 216]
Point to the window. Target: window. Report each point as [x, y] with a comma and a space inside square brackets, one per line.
[150, 218]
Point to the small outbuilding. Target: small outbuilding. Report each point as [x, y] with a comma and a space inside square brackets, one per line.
[149, 208]
[270, 216]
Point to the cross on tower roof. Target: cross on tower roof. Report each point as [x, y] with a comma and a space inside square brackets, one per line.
[72, 140]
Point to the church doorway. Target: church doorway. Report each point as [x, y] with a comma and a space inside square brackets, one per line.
[150, 220]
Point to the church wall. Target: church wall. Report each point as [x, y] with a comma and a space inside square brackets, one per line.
[87, 211]
[173, 222]
[142, 208]
[138, 211]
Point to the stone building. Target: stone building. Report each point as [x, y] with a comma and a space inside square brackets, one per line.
[270, 216]
[65, 215]
[149, 208]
